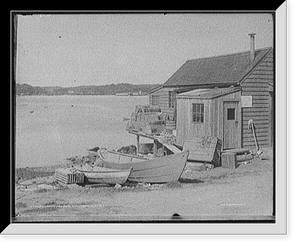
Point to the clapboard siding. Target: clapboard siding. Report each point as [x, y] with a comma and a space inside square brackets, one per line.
[257, 94]
[213, 117]
[163, 95]
[257, 84]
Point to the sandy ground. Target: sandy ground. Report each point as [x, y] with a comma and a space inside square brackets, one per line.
[244, 193]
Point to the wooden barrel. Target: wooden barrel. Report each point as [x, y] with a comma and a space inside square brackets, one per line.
[170, 125]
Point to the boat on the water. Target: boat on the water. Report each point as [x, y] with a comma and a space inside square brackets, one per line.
[156, 170]
[96, 174]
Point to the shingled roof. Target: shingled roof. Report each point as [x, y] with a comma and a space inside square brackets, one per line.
[225, 69]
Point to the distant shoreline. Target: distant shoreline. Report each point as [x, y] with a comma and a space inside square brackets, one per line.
[112, 89]
[85, 95]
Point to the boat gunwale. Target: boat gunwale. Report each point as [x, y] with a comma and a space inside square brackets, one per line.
[107, 171]
[140, 169]
[124, 155]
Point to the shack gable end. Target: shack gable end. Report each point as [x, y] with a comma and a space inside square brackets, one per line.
[162, 100]
[259, 84]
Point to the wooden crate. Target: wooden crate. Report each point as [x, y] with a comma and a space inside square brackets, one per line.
[204, 149]
[68, 176]
[229, 160]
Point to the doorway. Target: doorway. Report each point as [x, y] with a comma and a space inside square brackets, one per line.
[231, 125]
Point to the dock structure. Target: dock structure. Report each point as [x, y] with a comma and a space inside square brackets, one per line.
[158, 142]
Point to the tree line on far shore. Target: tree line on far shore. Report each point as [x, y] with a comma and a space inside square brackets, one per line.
[112, 89]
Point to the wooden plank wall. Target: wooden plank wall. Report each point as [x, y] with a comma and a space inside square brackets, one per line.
[256, 84]
[183, 115]
[185, 127]
[213, 118]
[163, 94]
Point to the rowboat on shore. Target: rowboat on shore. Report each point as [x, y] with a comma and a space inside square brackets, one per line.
[95, 174]
[156, 170]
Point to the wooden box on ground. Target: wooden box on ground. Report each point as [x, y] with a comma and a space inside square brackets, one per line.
[229, 160]
[204, 149]
[68, 176]
[196, 166]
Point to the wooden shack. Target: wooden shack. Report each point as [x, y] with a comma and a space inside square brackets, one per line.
[210, 112]
[252, 72]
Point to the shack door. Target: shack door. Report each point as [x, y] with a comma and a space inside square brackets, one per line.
[231, 125]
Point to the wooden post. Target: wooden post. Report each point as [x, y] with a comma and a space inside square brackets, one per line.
[137, 143]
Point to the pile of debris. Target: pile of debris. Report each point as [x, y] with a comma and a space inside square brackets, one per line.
[88, 159]
[167, 138]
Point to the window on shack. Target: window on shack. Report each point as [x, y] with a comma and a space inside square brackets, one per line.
[172, 99]
[198, 112]
[155, 100]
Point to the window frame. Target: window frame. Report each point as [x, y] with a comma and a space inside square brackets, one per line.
[155, 100]
[198, 113]
[232, 115]
[172, 99]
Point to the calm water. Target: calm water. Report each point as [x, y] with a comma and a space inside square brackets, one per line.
[50, 129]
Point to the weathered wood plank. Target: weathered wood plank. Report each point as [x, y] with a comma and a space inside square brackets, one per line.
[255, 89]
[260, 105]
[260, 74]
[255, 93]
[258, 135]
[246, 110]
[253, 147]
[263, 67]
[255, 118]
[251, 141]
[267, 63]
[260, 100]
[268, 59]
[261, 143]
[259, 128]
[270, 55]
[262, 71]
[255, 114]
[260, 140]
[256, 82]
[258, 125]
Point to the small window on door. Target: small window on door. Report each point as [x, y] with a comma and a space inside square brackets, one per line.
[231, 114]
[198, 112]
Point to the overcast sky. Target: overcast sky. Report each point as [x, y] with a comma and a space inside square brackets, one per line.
[98, 49]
